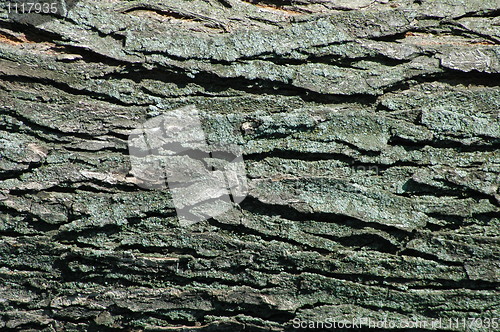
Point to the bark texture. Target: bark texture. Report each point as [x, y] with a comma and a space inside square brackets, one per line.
[370, 131]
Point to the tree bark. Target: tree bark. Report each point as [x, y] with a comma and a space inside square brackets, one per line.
[370, 132]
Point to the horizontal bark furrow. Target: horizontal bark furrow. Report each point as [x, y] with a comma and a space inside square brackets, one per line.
[370, 132]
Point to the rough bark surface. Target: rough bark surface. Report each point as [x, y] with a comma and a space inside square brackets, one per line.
[371, 135]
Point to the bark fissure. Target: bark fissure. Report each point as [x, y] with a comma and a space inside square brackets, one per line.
[370, 132]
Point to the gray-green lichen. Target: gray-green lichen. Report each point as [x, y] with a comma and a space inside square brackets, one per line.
[370, 132]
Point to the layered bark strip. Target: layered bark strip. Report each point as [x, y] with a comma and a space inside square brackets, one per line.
[370, 133]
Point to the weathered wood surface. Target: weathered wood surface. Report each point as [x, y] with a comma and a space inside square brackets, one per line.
[370, 132]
